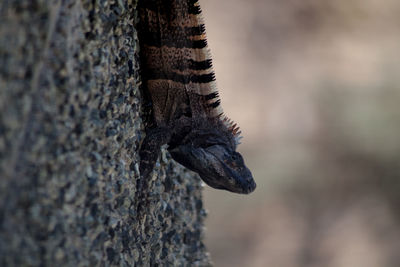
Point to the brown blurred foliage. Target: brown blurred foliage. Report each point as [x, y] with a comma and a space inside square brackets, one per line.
[314, 86]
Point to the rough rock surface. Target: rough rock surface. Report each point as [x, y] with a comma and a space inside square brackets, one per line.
[70, 129]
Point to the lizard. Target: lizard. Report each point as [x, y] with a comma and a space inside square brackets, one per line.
[178, 75]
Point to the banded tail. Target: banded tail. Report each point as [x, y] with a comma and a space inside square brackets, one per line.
[177, 56]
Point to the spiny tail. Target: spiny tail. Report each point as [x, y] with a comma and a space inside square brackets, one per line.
[174, 41]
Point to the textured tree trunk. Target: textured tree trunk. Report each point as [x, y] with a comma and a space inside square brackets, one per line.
[70, 130]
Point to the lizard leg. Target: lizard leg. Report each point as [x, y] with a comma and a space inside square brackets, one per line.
[149, 152]
[150, 149]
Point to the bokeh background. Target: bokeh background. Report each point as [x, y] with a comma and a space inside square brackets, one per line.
[314, 86]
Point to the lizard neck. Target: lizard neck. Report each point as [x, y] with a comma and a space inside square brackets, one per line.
[199, 131]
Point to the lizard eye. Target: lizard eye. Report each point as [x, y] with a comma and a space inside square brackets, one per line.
[235, 156]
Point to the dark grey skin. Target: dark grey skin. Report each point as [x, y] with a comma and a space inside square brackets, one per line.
[206, 147]
[213, 156]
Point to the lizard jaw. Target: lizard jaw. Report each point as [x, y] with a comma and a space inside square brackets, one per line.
[213, 166]
[236, 177]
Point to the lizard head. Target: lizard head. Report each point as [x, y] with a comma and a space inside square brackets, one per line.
[212, 154]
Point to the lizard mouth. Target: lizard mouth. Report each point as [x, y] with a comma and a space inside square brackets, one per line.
[216, 168]
[238, 180]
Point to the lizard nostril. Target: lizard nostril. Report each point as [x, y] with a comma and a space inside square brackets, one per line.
[251, 186]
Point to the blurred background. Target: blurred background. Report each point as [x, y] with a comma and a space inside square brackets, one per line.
[314, 86]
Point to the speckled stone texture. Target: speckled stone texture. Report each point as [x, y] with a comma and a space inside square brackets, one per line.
[70, 130]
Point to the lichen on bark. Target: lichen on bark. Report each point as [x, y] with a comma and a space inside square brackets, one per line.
[70, 129]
